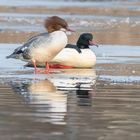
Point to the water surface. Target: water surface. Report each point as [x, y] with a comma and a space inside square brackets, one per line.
[98, 103]
[101, 103]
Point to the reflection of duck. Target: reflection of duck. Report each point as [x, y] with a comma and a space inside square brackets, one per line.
[76, 56]
[74, 78]
[45, 92]
[42, 87]
[44, 47]
[70, 78]
[44, 99]
[39, 91]
[84, 97]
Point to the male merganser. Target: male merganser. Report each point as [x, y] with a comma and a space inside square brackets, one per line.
[76, 56]
[45, 46]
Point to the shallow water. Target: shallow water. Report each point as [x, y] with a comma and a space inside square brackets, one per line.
[102, 103]
[98, 103]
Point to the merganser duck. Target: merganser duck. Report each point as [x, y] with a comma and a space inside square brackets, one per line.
[76, 56]
[45, 46]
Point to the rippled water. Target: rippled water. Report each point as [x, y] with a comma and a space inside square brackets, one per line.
[75, 104]
[100, 103]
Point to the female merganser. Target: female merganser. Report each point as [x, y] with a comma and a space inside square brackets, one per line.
[76, 56]
[45, 46]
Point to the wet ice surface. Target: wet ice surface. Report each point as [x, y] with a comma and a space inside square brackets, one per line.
[122, 60]
[101, 103]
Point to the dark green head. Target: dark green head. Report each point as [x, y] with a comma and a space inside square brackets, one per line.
[85, 40]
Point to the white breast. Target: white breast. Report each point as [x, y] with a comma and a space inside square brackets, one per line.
[71, 57]
[50, 48]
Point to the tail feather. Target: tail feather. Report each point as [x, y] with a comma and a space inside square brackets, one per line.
[9, 56]
[16, 56]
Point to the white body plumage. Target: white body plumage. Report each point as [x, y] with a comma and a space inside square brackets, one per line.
[70, 57]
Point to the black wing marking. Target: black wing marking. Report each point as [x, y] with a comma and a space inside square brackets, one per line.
[73, 47]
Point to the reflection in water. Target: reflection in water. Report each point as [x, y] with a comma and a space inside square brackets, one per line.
[43, 96]
[84, 97]
[75, 79]
[62, 108]
[50, 101]
[112, 113]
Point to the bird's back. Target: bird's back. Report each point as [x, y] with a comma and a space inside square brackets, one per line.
[23, 52]
[41, 48]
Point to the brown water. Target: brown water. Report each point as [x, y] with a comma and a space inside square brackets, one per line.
[102, 103]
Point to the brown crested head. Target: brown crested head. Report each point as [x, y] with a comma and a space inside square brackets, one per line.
[55, 23]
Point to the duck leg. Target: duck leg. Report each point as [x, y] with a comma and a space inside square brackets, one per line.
[35, 67]
[48, 70]
[38, 70]
[59, 66]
